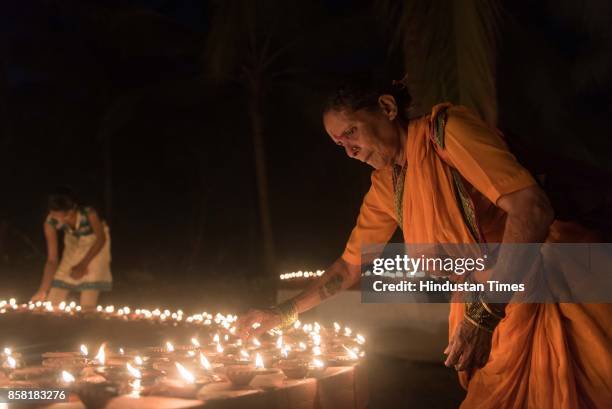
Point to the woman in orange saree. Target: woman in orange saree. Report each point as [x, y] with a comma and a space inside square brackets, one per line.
[447, 177]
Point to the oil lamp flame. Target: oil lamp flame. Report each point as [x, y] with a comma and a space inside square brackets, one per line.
[7, 351]
[169, 347]
[216, 338]
[360, 339]
[244, 354]
[317, 363]
[256, 342]
[259, 362]
[133, 371]
[337, 327]
[138, 360]
[279, 342]
[204, 362]
[195, 342]
[350, 352]
[84, 350]
[11, 362]
[219, 348]
[188, 376]
[136, 388]
[67, 377]
[101, 355]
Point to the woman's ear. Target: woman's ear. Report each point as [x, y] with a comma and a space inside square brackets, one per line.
[388, 105]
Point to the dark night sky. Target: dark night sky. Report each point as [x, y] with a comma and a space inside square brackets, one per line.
[73, 71]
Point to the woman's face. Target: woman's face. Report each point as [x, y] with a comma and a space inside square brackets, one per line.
[371, 137]
[62, 216]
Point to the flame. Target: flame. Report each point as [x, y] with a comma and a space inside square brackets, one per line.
[191, 353]
[347, 331]
[219, 348]
[84, 350]
[67, 377]
[121, 351]
[317, 327]
[12, 362]
[195, 342]
[239, 342]
[136, 388]
[350, 353]
[360, 339]
[101, 356]
[297, 324]
[204, 362]
[62, 305]
[216, 338]
[317, 363]
[337, 327]
[316, 338]
[244, 354]
[256, 342]
[279, 342]
[302, 346]
[259, 362]
[133, 371]
[169, 347]
[7, 351]
[138, 360]
[188, 376]
[316, 351]
[284, 352]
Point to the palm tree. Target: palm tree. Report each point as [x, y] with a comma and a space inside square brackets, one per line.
[244, 45]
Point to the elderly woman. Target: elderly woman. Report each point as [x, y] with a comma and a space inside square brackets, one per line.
[85, 262]
[462, 186]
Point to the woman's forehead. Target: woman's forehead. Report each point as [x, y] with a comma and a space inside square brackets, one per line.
[335, 122]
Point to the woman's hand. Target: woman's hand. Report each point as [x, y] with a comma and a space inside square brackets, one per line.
[78, 271]
[267, 319]
[40, 295]
[469, 348]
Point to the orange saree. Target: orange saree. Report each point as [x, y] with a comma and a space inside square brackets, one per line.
[543, 356]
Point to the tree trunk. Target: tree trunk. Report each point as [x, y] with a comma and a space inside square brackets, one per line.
[256, 118]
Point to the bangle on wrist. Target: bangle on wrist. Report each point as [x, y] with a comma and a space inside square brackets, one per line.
[483, 315]
[288, 313]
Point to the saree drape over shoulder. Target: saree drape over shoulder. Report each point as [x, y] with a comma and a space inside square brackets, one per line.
[544, 356]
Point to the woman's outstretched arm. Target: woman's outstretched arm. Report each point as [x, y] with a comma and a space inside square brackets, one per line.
[339, 276]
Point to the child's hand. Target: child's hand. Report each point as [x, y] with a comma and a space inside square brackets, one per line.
[78, 271]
